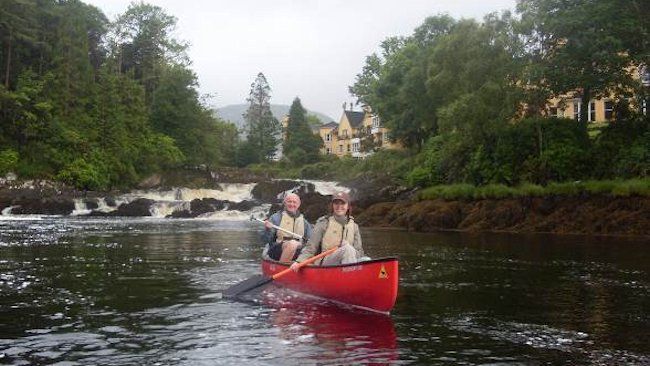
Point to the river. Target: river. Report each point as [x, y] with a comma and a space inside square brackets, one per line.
[146, 291]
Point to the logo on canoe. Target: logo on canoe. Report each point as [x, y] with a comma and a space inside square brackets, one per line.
[382, 272]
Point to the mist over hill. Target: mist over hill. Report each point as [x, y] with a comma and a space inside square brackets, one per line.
[234, 112]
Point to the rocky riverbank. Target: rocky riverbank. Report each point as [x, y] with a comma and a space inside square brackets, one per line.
[377, 203]
[592, 215]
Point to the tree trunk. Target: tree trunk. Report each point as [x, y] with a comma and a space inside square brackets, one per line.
[584, 107]
[8, 61]
[540, 137]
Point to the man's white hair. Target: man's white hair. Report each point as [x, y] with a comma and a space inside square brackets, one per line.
[291, 195]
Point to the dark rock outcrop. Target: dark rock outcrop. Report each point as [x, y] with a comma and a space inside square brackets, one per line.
[205, 205]
[243, 205]
[594, 215]
[91, 203]
[269, 191]
[138, 207]
[44, 206]
[367, 190]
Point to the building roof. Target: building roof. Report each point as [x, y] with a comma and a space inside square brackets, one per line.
[355, 118]
[330, 125]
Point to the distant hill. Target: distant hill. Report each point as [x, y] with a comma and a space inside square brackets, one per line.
[233, 113]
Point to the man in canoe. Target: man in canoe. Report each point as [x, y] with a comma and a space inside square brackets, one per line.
[282, 246]
[335, 230]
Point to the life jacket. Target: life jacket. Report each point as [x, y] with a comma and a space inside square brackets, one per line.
[336, 232]
[295, 225]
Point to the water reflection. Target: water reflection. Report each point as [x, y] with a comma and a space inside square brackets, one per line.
[142, 291]
[347, 336]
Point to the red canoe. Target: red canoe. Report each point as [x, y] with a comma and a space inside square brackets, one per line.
[371, 285]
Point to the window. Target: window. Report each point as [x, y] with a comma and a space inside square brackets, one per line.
[375, 121]
[552, 112]
[609, 109]
[592, 112]
[328, 150]
[341, 148]
[348, 147]
[576, 109]
[356, 147]
[345, 133]
[386, 137]
[328, 137]
[644, 73]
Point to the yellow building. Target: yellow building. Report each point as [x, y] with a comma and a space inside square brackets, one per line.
[355, 131]
[600, 109]
[568, 106]
[326, 133]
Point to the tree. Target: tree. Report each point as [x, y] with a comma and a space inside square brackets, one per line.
[18, 25]
[585, 46]
[26, 111]
[142, 43]
[301, 145]
[394, 83]
[262, 129]
[71, 56]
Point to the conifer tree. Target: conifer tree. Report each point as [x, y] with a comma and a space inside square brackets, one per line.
[262, 129]
[301, 145]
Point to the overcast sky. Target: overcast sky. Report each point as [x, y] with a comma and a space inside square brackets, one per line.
[306, 48]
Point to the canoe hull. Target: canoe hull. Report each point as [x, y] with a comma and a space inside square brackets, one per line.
[370, 285]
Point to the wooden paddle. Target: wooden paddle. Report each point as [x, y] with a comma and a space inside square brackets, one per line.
[261, 280]
[276, 227]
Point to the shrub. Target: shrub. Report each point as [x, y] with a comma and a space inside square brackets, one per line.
[8, 160]
[83, 175]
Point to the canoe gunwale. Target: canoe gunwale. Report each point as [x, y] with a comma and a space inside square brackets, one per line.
[314, 266]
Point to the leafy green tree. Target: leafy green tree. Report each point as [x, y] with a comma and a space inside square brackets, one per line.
[313, 120]
[26, 112]
[128, 144]
[142, 44]
[74, 74]
[177, 112]
[394, 83]
[301, 145]
[18, 25]
[262, 129]
[585, 46]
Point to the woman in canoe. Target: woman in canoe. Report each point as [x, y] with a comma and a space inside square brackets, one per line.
[335, 230]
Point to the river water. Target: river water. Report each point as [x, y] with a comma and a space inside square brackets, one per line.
[115, 291]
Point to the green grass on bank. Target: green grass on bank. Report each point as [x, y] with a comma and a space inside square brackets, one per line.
[616, 188]
[386, 162]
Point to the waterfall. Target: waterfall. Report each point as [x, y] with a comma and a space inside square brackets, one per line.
[327, 188]
[234, 192]
[80, 208]
[178, 199]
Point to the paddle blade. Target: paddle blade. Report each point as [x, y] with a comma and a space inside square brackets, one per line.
[246, 285]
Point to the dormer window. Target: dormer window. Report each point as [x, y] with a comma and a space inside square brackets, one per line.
[376, 122]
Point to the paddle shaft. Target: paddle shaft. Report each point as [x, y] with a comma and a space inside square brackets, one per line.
[279, 228]
[261, 280]
[305, 262]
